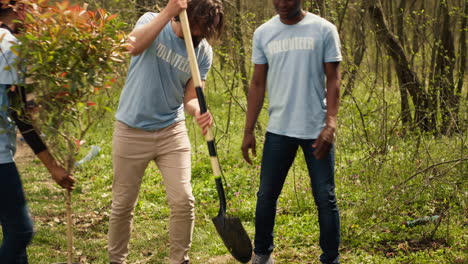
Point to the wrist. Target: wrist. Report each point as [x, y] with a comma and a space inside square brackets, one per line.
[330, 122]
[248, 131]
[165, 15]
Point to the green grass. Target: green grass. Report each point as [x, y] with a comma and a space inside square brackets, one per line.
[383, 178]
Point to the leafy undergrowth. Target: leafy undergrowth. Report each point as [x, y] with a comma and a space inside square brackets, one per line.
[374, 208]
[385, 176]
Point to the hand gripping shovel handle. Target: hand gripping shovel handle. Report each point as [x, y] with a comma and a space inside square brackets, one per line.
[201, 100]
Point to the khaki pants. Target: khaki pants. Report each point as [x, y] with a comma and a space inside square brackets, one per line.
[133, 149]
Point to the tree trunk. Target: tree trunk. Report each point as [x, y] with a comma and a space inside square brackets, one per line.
[407, 78]
[342, 16]
[445, 65]
[359, 50]
[401, 22]
[320, 6]
[462, 64]
[240, 56]
[433, 90]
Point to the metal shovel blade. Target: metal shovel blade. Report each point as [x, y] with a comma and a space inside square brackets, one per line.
[234, 236]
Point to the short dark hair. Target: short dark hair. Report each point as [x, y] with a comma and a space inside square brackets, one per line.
[5, 7]
[208, 15]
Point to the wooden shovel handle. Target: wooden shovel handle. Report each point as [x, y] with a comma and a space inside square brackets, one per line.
[190, 49]
[198, 86]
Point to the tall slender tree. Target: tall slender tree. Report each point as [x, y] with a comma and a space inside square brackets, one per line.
[407, 77]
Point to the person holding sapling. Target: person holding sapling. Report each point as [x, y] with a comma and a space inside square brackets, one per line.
[296, 56]
[14, 217]
[150, 122]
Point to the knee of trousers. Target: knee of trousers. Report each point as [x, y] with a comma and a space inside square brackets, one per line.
[326, 200]
[183, 205]
[121, 210]
[20, 238]
[267, 197]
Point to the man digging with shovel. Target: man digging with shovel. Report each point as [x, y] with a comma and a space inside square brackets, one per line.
[150, 122]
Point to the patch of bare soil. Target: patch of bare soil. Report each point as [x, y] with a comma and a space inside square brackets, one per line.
[226, 259]
[390, 249]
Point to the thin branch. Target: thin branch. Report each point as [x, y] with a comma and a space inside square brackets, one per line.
[424, 170]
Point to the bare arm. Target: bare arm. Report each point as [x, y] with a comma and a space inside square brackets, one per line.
[192, 107]
[256, 96]
[32, 138]
[255, 101]
[325, 140]
[332, 71]
[141, 38]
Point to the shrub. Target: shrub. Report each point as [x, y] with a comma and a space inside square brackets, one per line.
[71, 55]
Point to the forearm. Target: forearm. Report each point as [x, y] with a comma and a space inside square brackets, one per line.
[191, 106]
[332, 71]
[141, 38]
[255, 100]
[333, 101]
[46, 158]
[256, 96]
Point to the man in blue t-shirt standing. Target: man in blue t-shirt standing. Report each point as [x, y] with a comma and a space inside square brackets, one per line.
[296, 56]
[150, 122]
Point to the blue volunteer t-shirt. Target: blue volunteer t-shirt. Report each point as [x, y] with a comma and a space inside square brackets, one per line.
[295, 55]
[152, 97]
[7, 129]
[8, 76]
[8, 73]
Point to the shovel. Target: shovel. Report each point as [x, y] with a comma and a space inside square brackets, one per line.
[230, 229]
[69, 232]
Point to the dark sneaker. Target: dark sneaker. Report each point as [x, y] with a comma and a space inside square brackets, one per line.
[262, 259]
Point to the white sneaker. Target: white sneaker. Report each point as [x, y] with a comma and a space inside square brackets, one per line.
[262, 259]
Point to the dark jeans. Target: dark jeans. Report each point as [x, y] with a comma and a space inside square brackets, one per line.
[16, 224]
[279, 153]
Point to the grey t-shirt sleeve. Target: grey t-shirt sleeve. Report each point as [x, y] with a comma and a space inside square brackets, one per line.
[332, 50]
[258, 54]
[205, 63]
[144, 19]
[8, 69]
